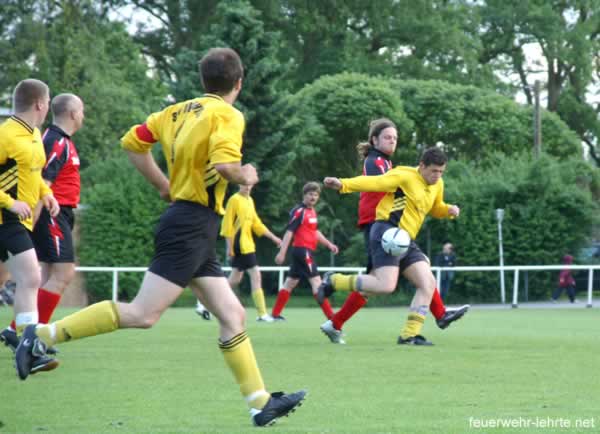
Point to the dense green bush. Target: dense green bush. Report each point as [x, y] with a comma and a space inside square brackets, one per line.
[117, 225]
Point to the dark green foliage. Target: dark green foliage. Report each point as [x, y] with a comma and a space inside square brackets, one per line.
[473, 123]
[117, 226]
[549, 205]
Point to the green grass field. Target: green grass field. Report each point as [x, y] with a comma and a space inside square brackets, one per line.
[528, 366]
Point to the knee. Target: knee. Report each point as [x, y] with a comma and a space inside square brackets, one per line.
[29, 280]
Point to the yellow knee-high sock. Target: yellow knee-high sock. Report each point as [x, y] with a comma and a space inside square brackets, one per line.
[344, 282]
[96, 319]
[414, 324]
[259, 301]
[239, 356]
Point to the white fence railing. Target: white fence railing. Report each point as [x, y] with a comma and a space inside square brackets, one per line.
[436, 270]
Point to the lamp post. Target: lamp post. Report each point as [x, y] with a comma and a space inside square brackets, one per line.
[499, 217]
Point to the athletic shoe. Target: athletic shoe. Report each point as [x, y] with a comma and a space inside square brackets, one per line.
[452, 315]
[279, 405]
[414, 340]
[277, 318]
[29, 350]
[265, 318]
[334, 335]
[10, 339]
[325, 288]
[41, 364]
[205, 314]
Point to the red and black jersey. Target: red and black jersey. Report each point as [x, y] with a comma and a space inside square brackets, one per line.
[303, 223]
[62, 166]
[376, 163]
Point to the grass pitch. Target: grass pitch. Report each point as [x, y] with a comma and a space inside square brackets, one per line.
[535, 369]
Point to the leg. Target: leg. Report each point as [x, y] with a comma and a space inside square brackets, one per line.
[235, 277]
[25, 272]
[419, 274]
[239, 354]
[315, 282]
[283, 296]
[58, 276]
[258, 294]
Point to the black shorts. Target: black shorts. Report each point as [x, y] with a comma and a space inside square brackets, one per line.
[52, 236]
[244, 262]
[14, 239]
[366, 230]
[382, 259]
[185, 243]
[303, 264]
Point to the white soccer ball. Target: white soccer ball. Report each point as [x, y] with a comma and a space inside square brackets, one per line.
[395, 241]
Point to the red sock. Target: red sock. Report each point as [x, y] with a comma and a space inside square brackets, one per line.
[326, 307]
[47, 302]
[352, 305]
[436, 306]
[282, 298]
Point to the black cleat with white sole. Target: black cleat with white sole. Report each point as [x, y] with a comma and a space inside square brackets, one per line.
[452, 315]
[29, 352]
[279, 405]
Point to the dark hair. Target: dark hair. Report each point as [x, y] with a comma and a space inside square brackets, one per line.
[220, 70]
[62, 104]
[27, 92]
[375, 128]
[311, 186]
[433, 155]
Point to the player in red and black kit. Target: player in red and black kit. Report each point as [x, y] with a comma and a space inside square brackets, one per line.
[303, 229]
[376, 152]
[51, 236]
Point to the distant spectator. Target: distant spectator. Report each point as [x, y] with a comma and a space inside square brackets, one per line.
[565, 281]
[446, 258]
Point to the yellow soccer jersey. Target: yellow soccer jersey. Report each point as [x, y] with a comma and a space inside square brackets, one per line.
[195, 135]
[241, 222]
[22, 158]
[408, 200]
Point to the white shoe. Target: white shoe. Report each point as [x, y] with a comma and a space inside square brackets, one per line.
[203, 312]
[265, 318]
[334, 335]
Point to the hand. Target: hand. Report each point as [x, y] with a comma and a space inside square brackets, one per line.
[21, 209]
[454, 211]
[165, 195]
[279, 259]
[277, 241]
[51, 204]
[333, 183]
[334, 248]
[250, 174]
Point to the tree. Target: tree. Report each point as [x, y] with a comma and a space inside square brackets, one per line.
[568, 35]
[95, 59]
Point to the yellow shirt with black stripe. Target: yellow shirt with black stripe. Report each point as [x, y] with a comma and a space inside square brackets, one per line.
[408, 197]
[195, 136]
[240, 223]
[22, 158]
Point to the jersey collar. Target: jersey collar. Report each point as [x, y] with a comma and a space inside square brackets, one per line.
[22, 123]
[59, 130]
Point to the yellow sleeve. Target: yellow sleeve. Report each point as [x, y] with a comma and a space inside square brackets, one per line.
[141, 137]
[385, 183]
[227, 227]
[440, 208]
[226, 140]
[258, 226]
[6, 201]
[44, 189]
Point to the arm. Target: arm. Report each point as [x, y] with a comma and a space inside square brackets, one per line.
[324, 241]
[276, 240]
[229, 246]
[441, 209]
[145, 164]
[385, 183]
[238, 174]
[285, 243]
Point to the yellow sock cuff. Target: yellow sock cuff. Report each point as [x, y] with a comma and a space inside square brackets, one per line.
[259, 301]
[344, 282]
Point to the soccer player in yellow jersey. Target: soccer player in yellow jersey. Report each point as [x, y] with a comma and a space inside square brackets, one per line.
[240, 224]
[411, 194]
[202, 140]
[22, 159]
